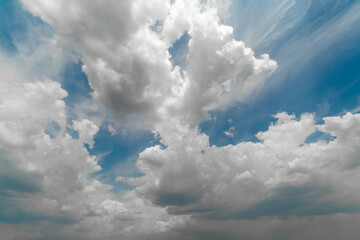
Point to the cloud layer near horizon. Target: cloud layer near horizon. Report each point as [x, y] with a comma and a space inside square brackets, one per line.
[124, 47]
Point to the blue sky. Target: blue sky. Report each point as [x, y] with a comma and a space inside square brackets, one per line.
[158, 154]
[327, 83]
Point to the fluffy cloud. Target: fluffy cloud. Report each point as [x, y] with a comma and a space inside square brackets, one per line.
[126, 62]
[280, 176]
[45, 178]
[87, 131]
[220, 69]
[126, 56]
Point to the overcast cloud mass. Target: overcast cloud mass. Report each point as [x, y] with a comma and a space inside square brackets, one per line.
[179, 119]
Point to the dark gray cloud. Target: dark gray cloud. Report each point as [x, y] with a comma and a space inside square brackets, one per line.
[16, 186]
[14, 181]
[297, 201]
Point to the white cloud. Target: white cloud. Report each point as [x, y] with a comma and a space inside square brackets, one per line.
[87, 131]
[230, 132]
[47, 178]
[220, 69]
[189, 176]
[128, 64]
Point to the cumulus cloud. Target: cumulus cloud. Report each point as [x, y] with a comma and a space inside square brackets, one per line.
[280, 176]
[46, 178]
[126, 63]
[87, 131]
[127, 60]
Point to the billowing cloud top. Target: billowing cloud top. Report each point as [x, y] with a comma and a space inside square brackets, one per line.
[126, 58]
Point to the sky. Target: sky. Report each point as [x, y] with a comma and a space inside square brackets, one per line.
[181, 119]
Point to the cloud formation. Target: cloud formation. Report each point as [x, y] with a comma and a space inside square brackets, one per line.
[186, 182]
[45, 178]
[126, 56]
[280, 176]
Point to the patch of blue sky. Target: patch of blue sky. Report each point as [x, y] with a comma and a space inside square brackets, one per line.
[318, 56]
[17, 27]
[76, 84]
[11, 22]
[52, 128]
[319, 136]
[156, 27]
[247, 120]
[117, 153]
[179, 50]
[270, 26]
